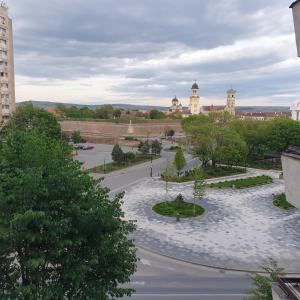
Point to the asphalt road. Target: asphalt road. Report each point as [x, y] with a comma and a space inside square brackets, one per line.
[163, 278]
[159, 277]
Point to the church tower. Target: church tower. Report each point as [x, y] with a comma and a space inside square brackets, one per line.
[195, 100]
[231, 97]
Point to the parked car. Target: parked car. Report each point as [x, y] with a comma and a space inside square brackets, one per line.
[88, 147]
[78, 147]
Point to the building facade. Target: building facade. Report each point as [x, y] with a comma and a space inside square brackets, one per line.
[230, 106]
[296, 111]
[291, 173]
[176, 106]
[7, 76]
[195, 100]
[296, 13]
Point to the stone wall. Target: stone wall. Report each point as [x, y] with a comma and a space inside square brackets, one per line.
[110, 133]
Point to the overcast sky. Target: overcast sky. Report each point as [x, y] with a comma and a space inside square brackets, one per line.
[147, 51]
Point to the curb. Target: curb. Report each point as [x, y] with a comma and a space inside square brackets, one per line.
[205, 265]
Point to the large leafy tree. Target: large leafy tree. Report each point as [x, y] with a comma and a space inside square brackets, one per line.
[282, 134]
[61, 235]
[28, 117]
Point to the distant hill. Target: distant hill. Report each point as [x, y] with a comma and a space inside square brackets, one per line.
[47, 104]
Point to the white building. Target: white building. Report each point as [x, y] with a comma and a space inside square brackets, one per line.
[7, 77]
[291, 173]
[295, 108]
[195, 100]
[176, 106]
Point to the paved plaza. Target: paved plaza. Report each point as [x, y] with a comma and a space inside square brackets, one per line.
[241, 229]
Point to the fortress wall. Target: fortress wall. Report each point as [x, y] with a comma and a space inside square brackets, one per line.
[109, 133]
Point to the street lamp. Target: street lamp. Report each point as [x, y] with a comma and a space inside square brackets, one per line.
[295, 6]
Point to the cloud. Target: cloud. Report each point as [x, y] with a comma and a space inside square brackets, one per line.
[140, 51]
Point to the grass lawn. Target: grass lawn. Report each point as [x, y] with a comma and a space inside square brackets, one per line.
[172, 149]
[243, 183]
[208, 173]
[113, 166]
[265, 165]
[280, 201]
[171, 208]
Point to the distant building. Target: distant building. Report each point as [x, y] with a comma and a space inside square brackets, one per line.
[263, 115]
[7, 77]
[176, 106]
[195, 100]
[55, 112]
[229, 107]
[296, 111]
[231, 98]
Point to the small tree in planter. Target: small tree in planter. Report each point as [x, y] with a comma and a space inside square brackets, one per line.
[180, 161]
[199, 186]
[130, 156]
[179, 200]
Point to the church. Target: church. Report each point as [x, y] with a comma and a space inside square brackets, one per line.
[195, 108]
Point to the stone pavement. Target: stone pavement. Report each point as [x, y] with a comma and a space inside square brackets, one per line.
[241, 229]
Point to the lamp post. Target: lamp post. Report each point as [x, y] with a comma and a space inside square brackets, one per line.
[295, 6]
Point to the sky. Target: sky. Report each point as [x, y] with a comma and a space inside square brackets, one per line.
[145, 52]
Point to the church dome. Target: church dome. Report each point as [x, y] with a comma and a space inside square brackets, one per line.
[175, 100]
[195, 86]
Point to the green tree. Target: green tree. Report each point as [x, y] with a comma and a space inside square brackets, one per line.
[156, 147]
[117, 114]
[156, 114]
[282, 134]
[117, 154]
[179, 161]
[169, 132]
[144, 148]
[28, 117]
[61, 236]
[263, 284]
[76, 137]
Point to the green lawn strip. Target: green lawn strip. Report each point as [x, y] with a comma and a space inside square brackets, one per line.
[264, 165]
[209, 173]
[172, 149]
[113, 166]
[281, 202]
[171, 208]
[243, 183]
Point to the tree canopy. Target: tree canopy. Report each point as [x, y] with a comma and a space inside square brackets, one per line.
[61, 235]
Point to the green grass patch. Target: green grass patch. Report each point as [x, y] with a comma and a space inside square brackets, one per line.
[208, 173]
[243, 183]
[281, 202]
[171, 208]
[113, 166]
[265, 165]
[173, 149]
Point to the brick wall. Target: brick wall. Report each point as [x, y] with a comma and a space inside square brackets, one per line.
[110, 133]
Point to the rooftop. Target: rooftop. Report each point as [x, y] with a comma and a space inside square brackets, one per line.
[291, 287]
[294, 3]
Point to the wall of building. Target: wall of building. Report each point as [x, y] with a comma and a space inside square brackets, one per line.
[296, 12]
[291, 173]
[109, 133]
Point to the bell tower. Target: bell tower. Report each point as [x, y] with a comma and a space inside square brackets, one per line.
[195, 100]
[231, 98]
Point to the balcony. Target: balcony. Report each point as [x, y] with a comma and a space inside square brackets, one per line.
[4, 90]
[3, 58]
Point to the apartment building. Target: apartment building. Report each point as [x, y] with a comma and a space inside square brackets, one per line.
[7, 77]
